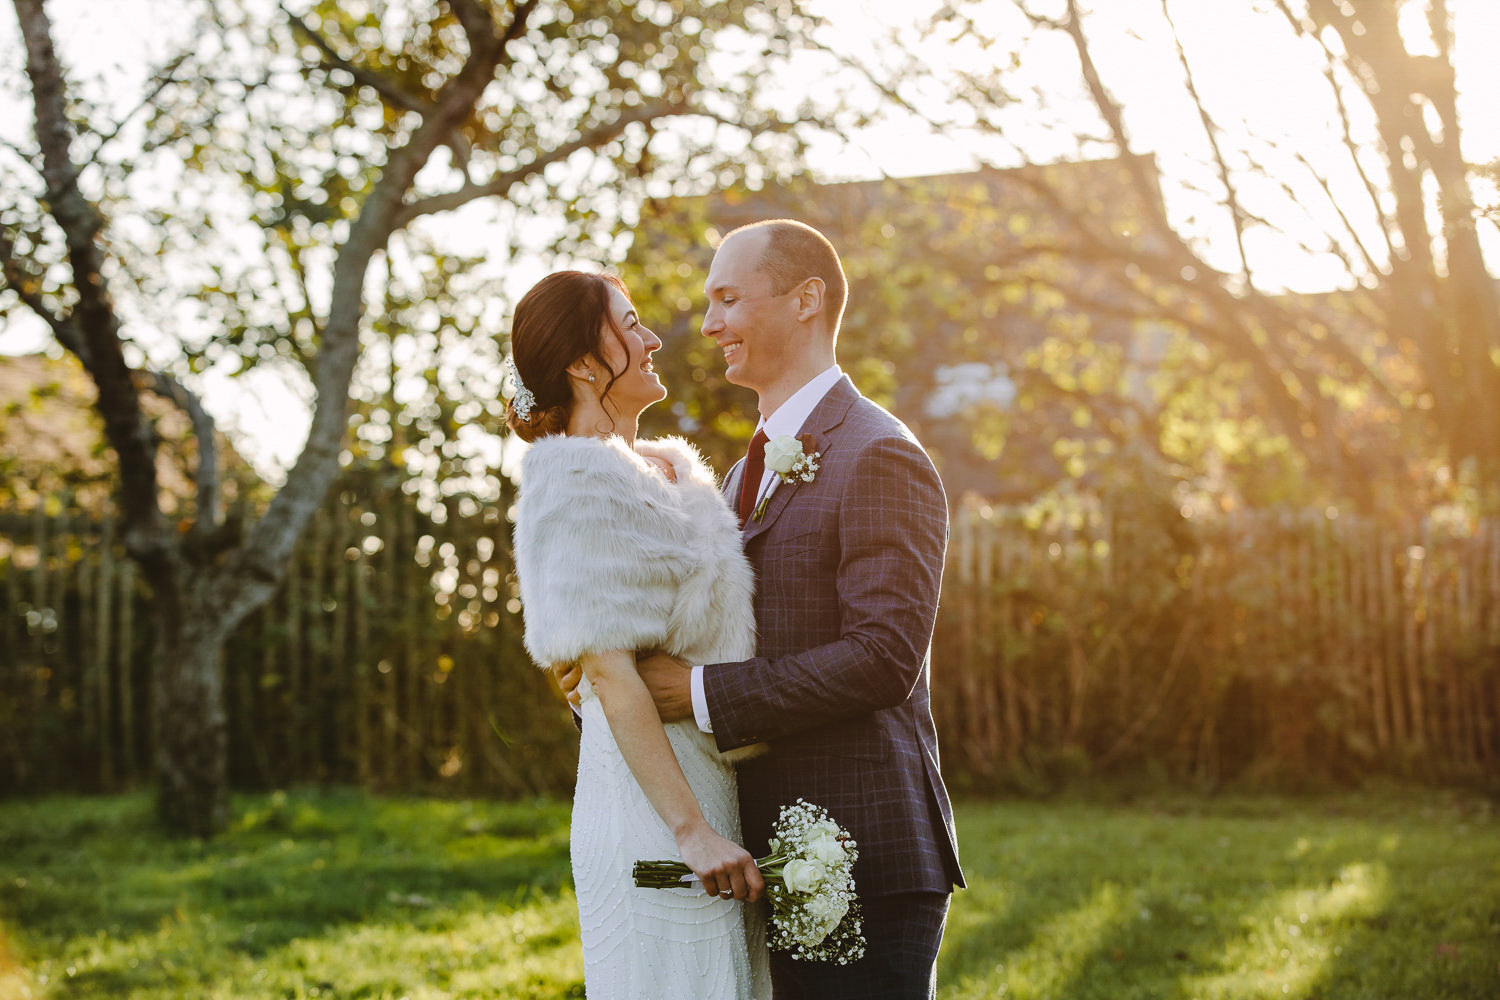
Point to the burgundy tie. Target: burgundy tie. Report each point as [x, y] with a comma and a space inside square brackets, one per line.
[755, 468]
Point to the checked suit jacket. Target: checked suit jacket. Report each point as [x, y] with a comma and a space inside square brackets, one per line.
[848, 569]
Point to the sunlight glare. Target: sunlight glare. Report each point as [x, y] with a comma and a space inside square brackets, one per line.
[1294, 936]
[1416, 32]
[1061, 945]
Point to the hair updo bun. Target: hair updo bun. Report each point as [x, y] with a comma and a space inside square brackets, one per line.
[562, 319]
[541, 422]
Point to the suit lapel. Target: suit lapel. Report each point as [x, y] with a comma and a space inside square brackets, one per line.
[731, 485]
[827, 415]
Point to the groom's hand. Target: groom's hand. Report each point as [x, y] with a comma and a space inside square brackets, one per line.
[670, 682]
[569, 676]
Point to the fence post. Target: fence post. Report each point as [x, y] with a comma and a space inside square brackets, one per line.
[103, 646]
[126, 660]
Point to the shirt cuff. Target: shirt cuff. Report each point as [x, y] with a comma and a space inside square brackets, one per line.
[700, 702]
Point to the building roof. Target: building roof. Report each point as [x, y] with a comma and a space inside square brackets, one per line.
[52, 440]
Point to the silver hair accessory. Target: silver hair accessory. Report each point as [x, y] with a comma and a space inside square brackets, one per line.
[523, 401]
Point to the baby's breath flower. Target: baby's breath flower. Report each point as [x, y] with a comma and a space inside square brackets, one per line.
[809, 883]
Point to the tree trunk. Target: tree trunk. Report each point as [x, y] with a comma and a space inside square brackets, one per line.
[191, 722]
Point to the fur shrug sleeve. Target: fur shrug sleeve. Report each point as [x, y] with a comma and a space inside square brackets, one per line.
[611, 555]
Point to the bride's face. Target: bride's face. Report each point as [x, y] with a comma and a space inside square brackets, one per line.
[628, 352]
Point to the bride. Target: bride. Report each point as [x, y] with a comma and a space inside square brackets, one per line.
[625, 545]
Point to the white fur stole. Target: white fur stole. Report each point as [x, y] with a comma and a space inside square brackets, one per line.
[611, 555]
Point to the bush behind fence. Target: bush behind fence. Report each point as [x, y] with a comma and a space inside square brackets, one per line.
[390, 657]
[1275, 645]
[1114, 639]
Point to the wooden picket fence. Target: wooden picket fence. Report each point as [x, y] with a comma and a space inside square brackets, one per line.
[1283, 643]
[390, 657]
[1099, 639]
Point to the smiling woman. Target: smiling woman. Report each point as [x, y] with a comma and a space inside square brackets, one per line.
[628, 354]
[623, 545]
[573, 330]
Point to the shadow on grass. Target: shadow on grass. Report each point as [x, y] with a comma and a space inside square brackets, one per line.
[347, 895]
[1274, 900]
[362, 895]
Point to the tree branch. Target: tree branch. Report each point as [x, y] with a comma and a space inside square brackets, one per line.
[1147, 188]
[1279, 375]
[94, 316]
[22, 284]
[1353, 149]
[1348, 224]
[270, 542]
[1211, 130]
[1283, 384]
[1108, 108]
[518, 21]
[207, 475]
[478, 24]
[161, 81]
[393, 94]
[501, 183]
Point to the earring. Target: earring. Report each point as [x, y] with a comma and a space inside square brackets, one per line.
[591, 376]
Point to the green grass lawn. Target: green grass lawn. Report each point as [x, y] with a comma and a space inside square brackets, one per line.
[341, 894]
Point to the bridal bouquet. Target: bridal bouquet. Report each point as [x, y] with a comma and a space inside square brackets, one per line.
[809, 882]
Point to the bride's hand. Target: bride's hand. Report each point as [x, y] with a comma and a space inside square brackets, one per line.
[725, 868]
[664, 466]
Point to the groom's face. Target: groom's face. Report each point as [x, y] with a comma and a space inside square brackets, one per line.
[754, 328]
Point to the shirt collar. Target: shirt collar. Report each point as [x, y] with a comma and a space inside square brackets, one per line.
[792, 414]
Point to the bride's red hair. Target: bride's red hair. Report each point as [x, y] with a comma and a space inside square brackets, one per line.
[562, 319]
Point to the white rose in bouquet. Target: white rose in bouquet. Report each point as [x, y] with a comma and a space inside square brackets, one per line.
[824, 828]
[828, 910]
[827, 849]
[824, 912]
[803, 875]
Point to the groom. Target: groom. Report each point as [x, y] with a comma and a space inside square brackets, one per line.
[847, 568]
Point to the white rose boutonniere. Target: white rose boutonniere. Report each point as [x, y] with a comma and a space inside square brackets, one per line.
[793, 460]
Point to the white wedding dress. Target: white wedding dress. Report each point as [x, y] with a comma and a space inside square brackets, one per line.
[661, 943]
[611, 555]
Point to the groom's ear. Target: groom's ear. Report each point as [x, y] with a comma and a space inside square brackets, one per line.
[810, 299]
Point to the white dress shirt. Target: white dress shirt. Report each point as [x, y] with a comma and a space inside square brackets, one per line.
[787, 419]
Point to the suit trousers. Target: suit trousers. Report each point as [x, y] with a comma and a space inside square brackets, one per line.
[902, 934]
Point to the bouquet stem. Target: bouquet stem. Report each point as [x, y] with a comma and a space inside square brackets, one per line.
[673, 874]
